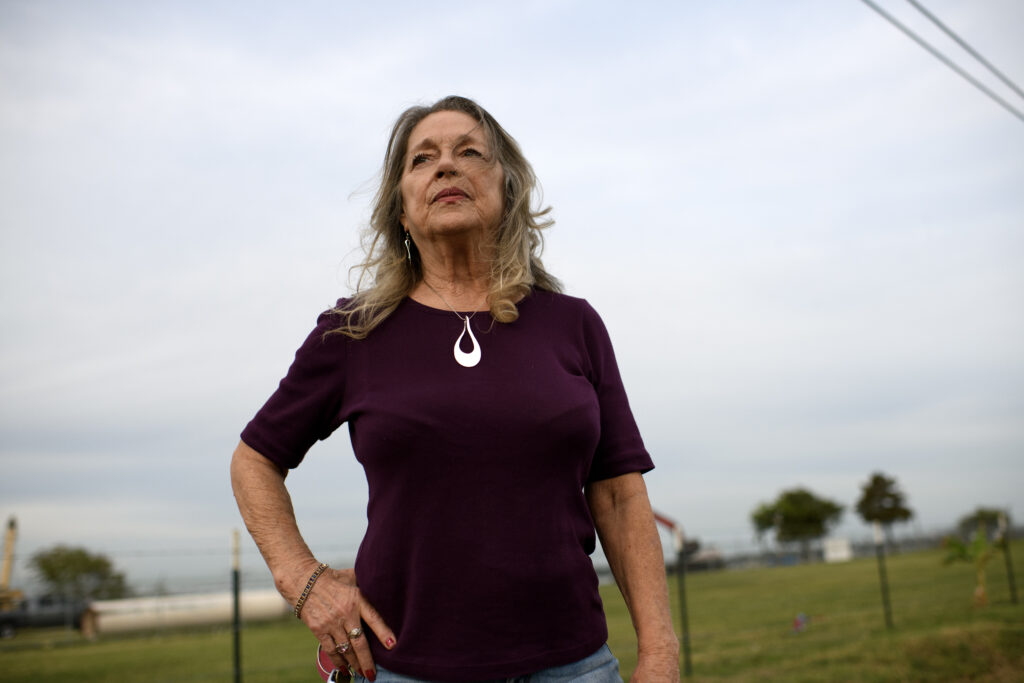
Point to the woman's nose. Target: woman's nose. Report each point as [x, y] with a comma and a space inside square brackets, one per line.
[446, 166]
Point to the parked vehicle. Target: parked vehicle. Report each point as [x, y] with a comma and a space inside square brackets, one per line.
[44, 611]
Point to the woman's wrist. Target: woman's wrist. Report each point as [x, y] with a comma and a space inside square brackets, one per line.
[321, 568]
[291, 580]
[664, 642]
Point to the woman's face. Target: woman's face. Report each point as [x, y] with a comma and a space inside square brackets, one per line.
[450, 182]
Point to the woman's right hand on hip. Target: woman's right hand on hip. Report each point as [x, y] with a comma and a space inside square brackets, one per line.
[336, 611]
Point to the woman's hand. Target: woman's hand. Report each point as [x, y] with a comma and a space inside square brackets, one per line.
[333, 610]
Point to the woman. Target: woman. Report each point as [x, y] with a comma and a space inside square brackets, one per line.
[488, 413]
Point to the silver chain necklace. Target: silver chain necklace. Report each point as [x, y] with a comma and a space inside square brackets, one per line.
[466, 360]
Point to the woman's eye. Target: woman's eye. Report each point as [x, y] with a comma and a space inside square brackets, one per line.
[417, 160]
[470, 152]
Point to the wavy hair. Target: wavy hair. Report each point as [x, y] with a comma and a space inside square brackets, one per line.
[515, 246]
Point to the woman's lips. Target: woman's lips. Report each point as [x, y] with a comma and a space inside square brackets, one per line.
[450, 194]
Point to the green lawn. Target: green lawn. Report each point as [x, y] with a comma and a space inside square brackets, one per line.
[741, 623]
[741, 627]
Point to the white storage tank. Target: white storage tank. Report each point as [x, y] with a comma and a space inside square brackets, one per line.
[176, 611]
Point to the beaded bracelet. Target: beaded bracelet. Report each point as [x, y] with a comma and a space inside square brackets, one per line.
[309, 586]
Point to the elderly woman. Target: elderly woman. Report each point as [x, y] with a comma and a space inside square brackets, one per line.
[487, 410]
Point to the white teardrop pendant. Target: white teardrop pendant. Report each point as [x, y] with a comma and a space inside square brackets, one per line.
[467, 360]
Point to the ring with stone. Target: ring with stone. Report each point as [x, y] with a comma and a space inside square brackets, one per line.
[355, 633]
[343, 647]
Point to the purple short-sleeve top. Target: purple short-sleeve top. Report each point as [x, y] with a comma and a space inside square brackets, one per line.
[478, 539]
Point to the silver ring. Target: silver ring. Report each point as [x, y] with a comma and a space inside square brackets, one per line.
[355, 633]
[343, 647]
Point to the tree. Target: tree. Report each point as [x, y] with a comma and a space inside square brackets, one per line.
[979, 551]
[982, 520]
[882, 501]
[797, 515]
[763, 518]
[976, 546]
[77, 574]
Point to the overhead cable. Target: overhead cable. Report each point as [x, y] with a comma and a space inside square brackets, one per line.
[963, 43]
[945, 60]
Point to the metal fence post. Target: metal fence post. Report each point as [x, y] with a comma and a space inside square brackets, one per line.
[1004, 532]
[237, 617]
[683, 613]
[684, 618]
[883, 579]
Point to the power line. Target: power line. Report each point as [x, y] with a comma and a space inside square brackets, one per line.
[945, 60]
[963, 43]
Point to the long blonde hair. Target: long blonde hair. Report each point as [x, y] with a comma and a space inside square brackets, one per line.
[517, 244]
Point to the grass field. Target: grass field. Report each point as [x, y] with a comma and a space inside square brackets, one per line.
[741, 629]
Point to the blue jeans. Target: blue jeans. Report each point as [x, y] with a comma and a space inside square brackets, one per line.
[600, 667]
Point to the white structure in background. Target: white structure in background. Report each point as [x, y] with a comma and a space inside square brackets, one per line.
[177, 611]
[838, 550]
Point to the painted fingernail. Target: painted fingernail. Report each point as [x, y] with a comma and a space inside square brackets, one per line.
[371, 675]
[389, 643]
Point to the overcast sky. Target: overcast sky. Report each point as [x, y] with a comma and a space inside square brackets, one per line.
[804, 233]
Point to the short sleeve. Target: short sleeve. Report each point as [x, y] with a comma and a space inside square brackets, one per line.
[307, 405]
[620, 449]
